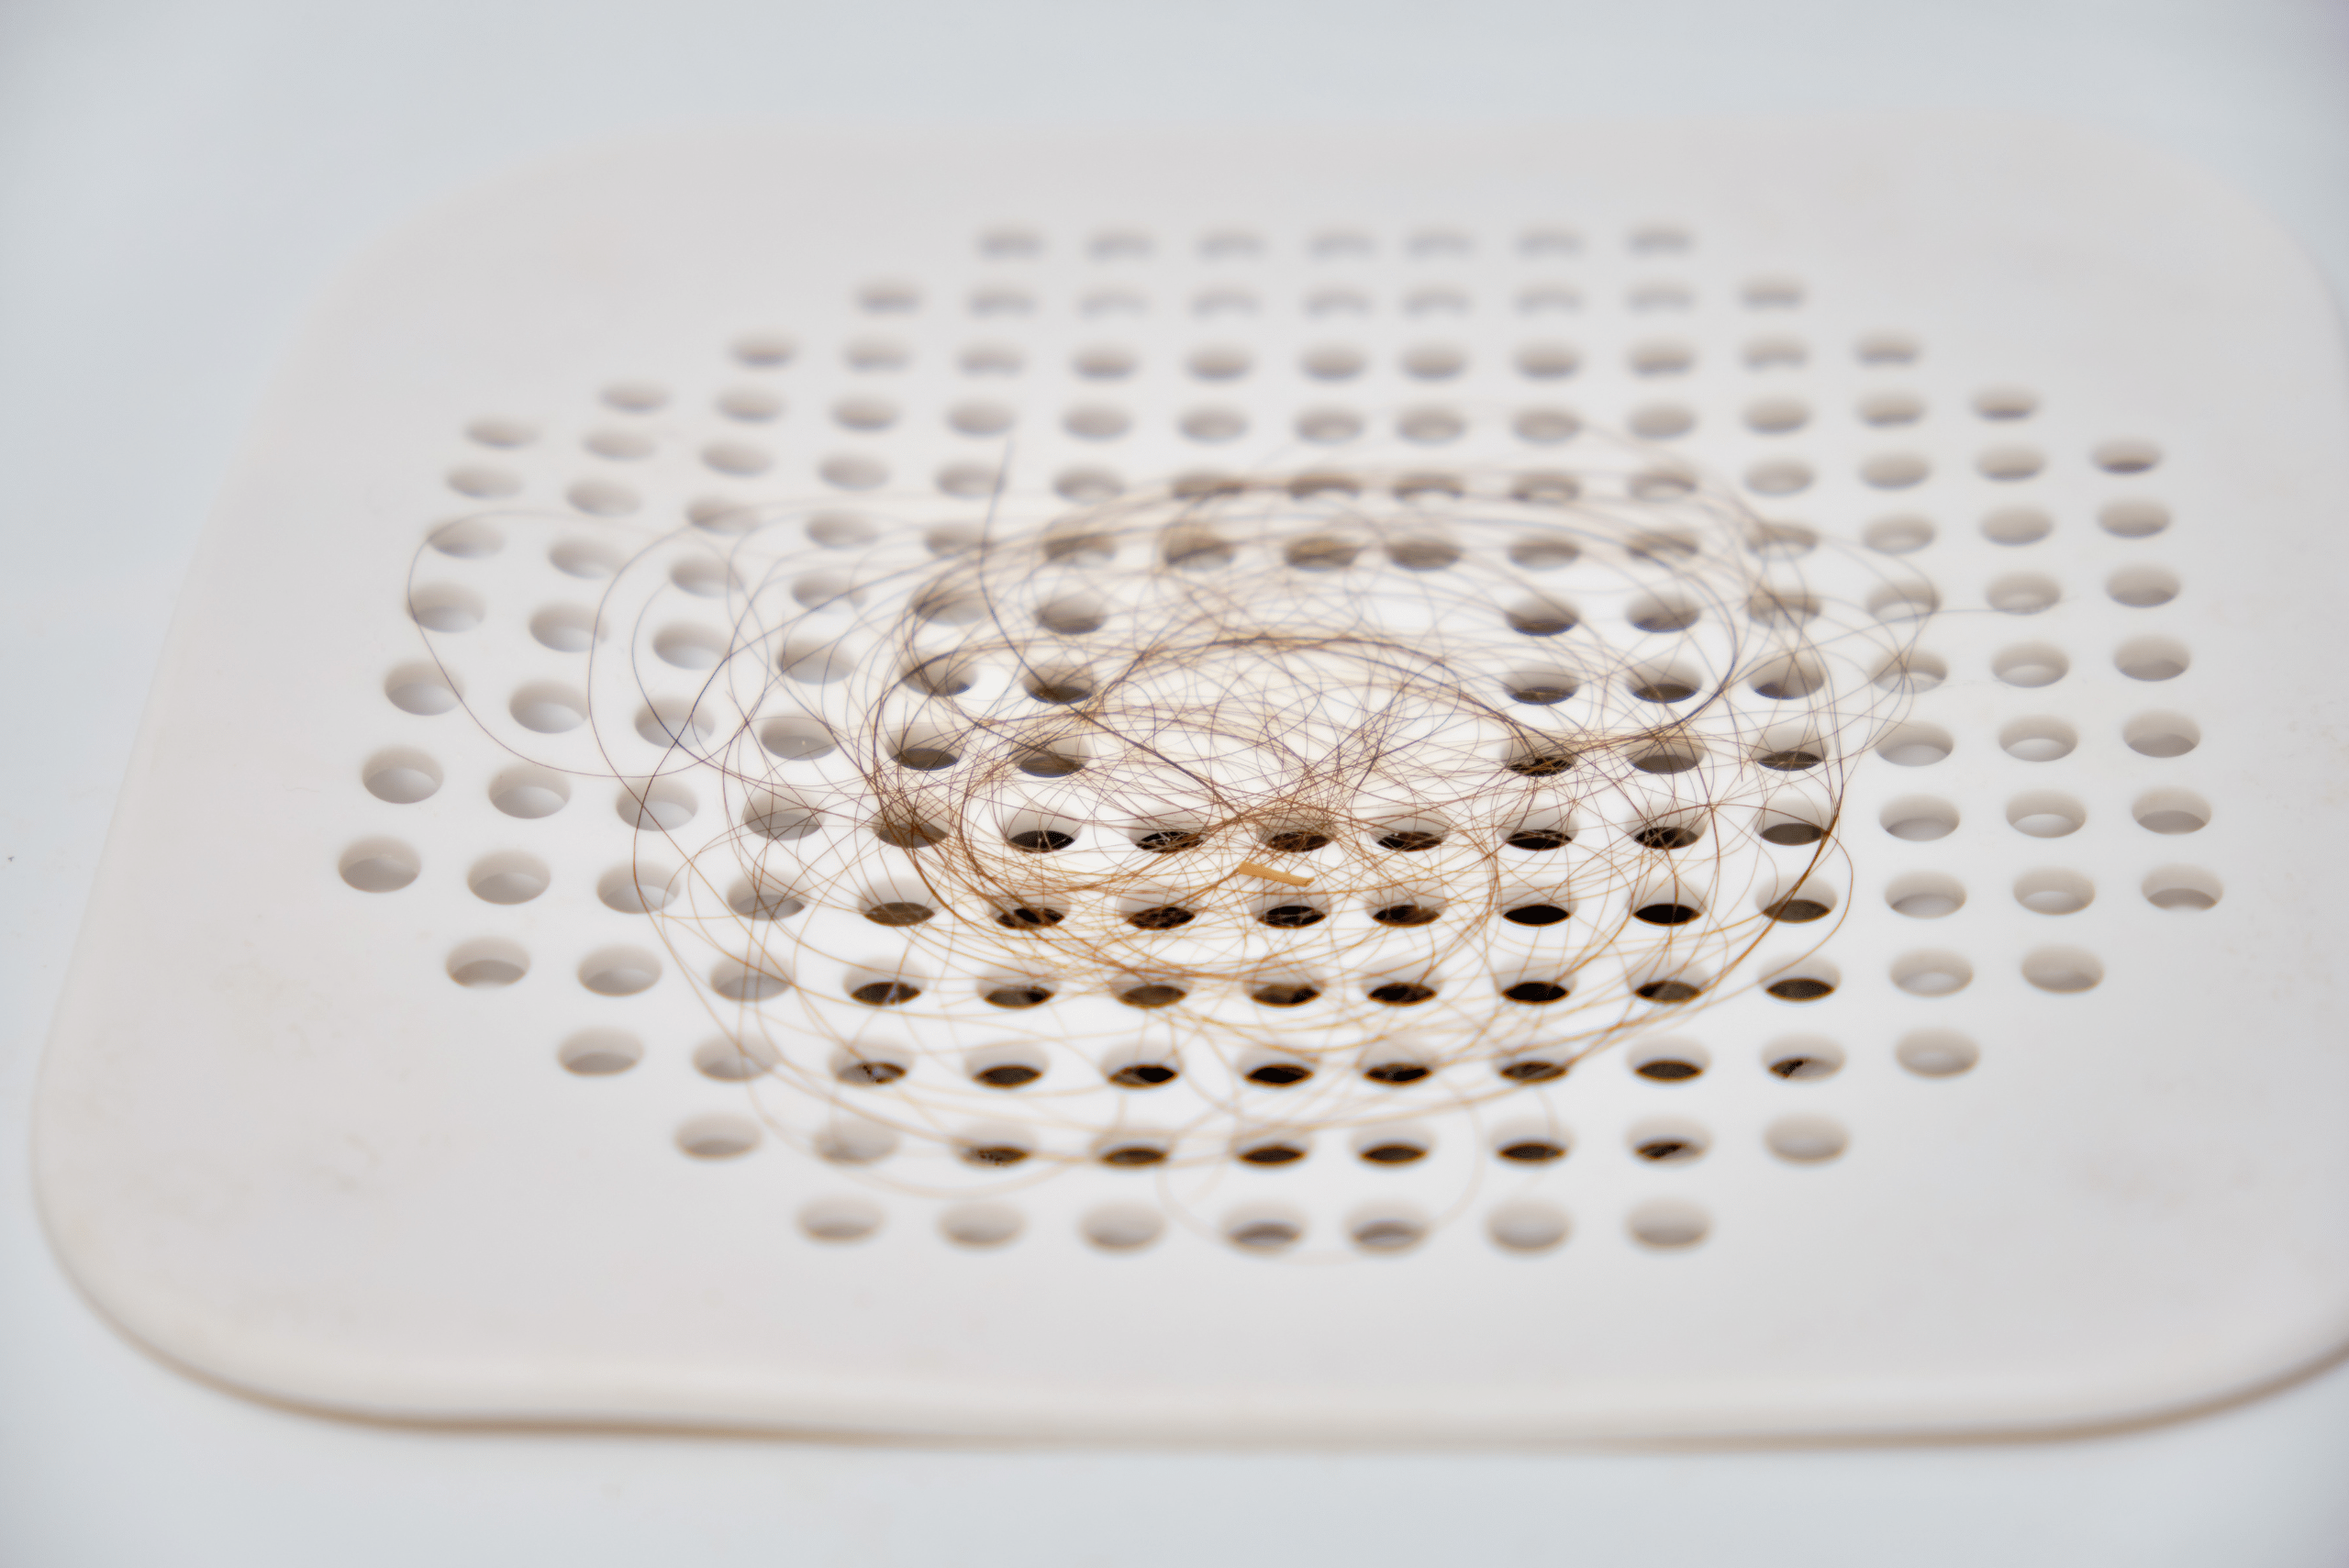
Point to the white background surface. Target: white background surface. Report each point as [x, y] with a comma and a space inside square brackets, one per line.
[175, 180]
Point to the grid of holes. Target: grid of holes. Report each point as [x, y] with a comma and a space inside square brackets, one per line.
[1545, 362]
[2148, 651]
[1441, 377]
[404, 776]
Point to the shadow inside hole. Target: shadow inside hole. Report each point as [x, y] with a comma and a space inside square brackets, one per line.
[1049, 764]
[1800, 989]
[907, 833]
[1669, 1070]
[1796, 909]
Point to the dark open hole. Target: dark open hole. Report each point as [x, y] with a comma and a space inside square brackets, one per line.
[1666, 760]
[1667, 1070]
[1541, 764]
[1166, 841]
[1393, 1153]
[1793, 760]
[1793, 1066]
[1049, 764]
[1799, 989]
[1290, 917]
[1534, 915]
[1394, 1073]
[1041, 841]
[1151, 995]
[1028, 918]
[906, 833]
[1531, 1150]
[1271, 1154]
[1542, 691]
[1018, 996]
[1142, 1075]
[927, 758]
[1296, 840]
[1665, 913]
[1535, 991]
[1280, 1074]
[1410, 839]
[1401, 993]
[994, 1153]
[1668, 991]
[1062, 689]
[1664, 836]
[1134, 1154]
[885, 993]
[1540, 839]
[1534, 1072]
[1406, 913]
[1793, 833]
[899, 914]
[1663, 1147]
[870, 1072]
[1285, 994]
[1664, 689]
[1795, 910]
[1010, 1075]
[1163, 918]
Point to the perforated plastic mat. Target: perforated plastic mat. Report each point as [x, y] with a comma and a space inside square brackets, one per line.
[1478, 786]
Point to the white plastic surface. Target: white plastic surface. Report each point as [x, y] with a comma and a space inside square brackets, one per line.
[281, 1146]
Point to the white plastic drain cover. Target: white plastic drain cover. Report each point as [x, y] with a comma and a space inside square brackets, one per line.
[1439, 787]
